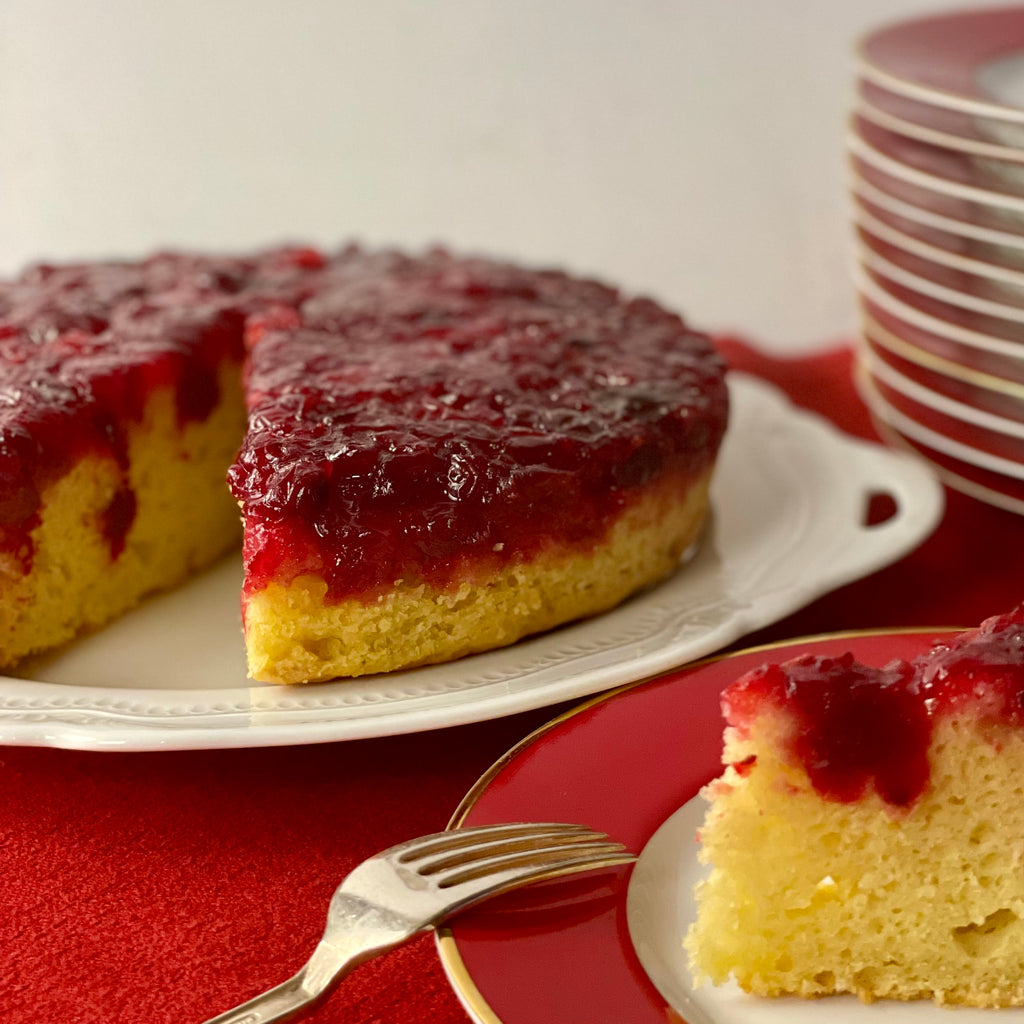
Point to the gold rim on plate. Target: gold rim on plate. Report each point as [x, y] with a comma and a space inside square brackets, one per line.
[451, 960]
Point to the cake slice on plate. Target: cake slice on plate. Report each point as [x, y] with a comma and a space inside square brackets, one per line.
[867, 835]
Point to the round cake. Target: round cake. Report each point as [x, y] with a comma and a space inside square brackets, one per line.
[443, 454]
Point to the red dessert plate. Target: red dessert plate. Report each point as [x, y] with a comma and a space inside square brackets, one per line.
[943, 59]
[996, 481]
[938, 246]
[997, 436]
[624, 763]
[911, 304]
[935, 209]
[925, 122]
[999, 299]
[994, 488]
[935, 170]
[983, 391]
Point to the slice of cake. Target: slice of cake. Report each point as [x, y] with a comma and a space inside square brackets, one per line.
[120, 409]
[445, 455]
[867, 835]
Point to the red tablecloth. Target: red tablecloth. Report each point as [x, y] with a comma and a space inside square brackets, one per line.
[163, 888]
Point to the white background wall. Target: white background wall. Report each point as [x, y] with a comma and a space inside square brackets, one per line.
[690, 149]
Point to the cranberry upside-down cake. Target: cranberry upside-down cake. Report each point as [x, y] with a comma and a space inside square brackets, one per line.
[440, 454]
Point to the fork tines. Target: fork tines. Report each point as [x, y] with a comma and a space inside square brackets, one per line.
[546, 847]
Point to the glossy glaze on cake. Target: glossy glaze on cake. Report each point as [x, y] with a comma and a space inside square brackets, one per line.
[84, 346]
[120, 408]
[425, 419]
[855, 727]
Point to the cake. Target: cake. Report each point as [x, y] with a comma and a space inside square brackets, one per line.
[441, 454]
[120, 409]
[447, 454]
[867, 834]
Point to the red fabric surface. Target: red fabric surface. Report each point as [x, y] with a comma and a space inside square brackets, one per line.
[164, 888]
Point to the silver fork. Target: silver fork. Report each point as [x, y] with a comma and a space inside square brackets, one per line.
[414, 886]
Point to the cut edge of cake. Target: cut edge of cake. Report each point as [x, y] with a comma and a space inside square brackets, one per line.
[294, 635]
[181, 518]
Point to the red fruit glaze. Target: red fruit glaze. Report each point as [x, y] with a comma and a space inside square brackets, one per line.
[407, 415]
[855, 728]
[434, 415]
[83, 347]
[984, 667]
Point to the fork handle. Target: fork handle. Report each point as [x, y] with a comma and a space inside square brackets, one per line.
[286, 1001]
[303, 991]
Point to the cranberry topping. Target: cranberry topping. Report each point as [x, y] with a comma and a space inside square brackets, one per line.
[985, 666]
[407, 414]
[429, 415]
[118, 518]
[82, 348]
[855, 728]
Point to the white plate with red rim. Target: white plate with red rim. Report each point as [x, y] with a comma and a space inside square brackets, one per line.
[996, 364]
[993, 488]
[790, 502]
[509, 965]
[988, 442]
[878, 282]
[889, 378]
[983, 295]
[938, 247]
[660, 909]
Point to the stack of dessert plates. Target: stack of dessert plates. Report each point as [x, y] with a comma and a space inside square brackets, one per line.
[936, 151]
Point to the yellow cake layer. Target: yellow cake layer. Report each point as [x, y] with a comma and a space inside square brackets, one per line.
[814, 897]
[293, 634]
[185, 518]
